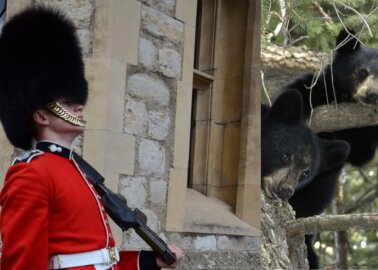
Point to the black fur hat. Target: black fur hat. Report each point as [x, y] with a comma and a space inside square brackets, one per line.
[40, 61]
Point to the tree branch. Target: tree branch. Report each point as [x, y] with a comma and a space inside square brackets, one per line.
[347, 115]
[363, 201]
[311, 225]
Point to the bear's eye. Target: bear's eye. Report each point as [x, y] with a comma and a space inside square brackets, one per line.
[362, 74]
[285, 158]
[305, 174]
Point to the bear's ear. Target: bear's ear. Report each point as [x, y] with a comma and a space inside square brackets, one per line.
[334, 154]
[347, 42]
[287, 107]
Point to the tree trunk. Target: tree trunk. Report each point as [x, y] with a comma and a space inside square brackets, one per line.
[278, 251]
[341, 237]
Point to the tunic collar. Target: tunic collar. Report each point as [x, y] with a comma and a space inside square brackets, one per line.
[54, 148]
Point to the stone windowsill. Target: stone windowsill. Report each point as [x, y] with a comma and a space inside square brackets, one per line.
[212, 216]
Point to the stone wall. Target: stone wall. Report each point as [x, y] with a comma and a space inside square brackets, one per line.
[138, 66]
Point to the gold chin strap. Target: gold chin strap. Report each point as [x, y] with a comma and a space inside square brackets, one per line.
[59, 111]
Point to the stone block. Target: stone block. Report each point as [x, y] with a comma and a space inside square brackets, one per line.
[205, 242]
[215, 154]
[134, 189]
[202, 105]
[162, 26]
[159, 124]
[176, 199]
[135, 117]
[148, 54]
[199, 160]
[232, 99]
[248, 206]
[182, 125]
[186, 11]
[230, 161]
[158, 192]
[116, 30]
[165, 6]
[148, 89]
[85, 37]
[170, 63]
[185, 243]
[249, 243]
[188, 55]
[5, 155]
[232, 19]
[222, 260]
[79, 11]
[227, 243]
[227, 102]
[106, 79]
[14, 7]
[110, 152]
[151, 158]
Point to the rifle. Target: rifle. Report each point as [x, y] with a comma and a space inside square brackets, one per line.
[116, 207]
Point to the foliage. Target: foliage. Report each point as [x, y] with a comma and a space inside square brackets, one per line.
[360, 191]
[315, 24]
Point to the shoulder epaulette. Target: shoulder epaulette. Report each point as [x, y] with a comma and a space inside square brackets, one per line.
[27, 156]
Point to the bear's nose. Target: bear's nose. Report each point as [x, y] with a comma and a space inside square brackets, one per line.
[285, 191]
[371, 97]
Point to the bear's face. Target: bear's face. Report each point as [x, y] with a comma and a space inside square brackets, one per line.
[355, 71]
[290, 152]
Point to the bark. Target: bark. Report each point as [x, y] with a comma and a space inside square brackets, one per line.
[278, 58]
[311, 225]
[278, 251]
[341, 237]
[345, 115]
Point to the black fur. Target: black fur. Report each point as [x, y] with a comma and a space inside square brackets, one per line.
[352, 65]
[40, 61]
[284, 133]
[287, 144]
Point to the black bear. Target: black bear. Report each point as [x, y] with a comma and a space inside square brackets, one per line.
[289, 149]
[314, 196]
[295, 159]
[352, 77]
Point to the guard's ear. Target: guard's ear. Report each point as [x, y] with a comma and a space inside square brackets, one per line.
[40, 118]
[287, 107]
[348, 43]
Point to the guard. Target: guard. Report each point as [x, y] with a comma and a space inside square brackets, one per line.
[51, 217]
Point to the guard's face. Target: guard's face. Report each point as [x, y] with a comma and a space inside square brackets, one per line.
[66, 116]
[60, 110]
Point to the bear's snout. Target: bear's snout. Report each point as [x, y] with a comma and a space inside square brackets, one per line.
[285, 191]
[371, 97]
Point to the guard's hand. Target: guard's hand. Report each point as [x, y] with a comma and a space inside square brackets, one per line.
[178, 253]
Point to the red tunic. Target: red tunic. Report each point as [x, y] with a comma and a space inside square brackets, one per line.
[49, 208]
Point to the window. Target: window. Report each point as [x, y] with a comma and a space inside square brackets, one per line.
[216, 100]
[214, 180]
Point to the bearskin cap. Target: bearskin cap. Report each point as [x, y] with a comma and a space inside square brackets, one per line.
[40, 61]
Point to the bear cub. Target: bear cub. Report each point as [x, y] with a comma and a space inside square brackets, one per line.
[289, 150]
[296, 164]
[352, 77]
